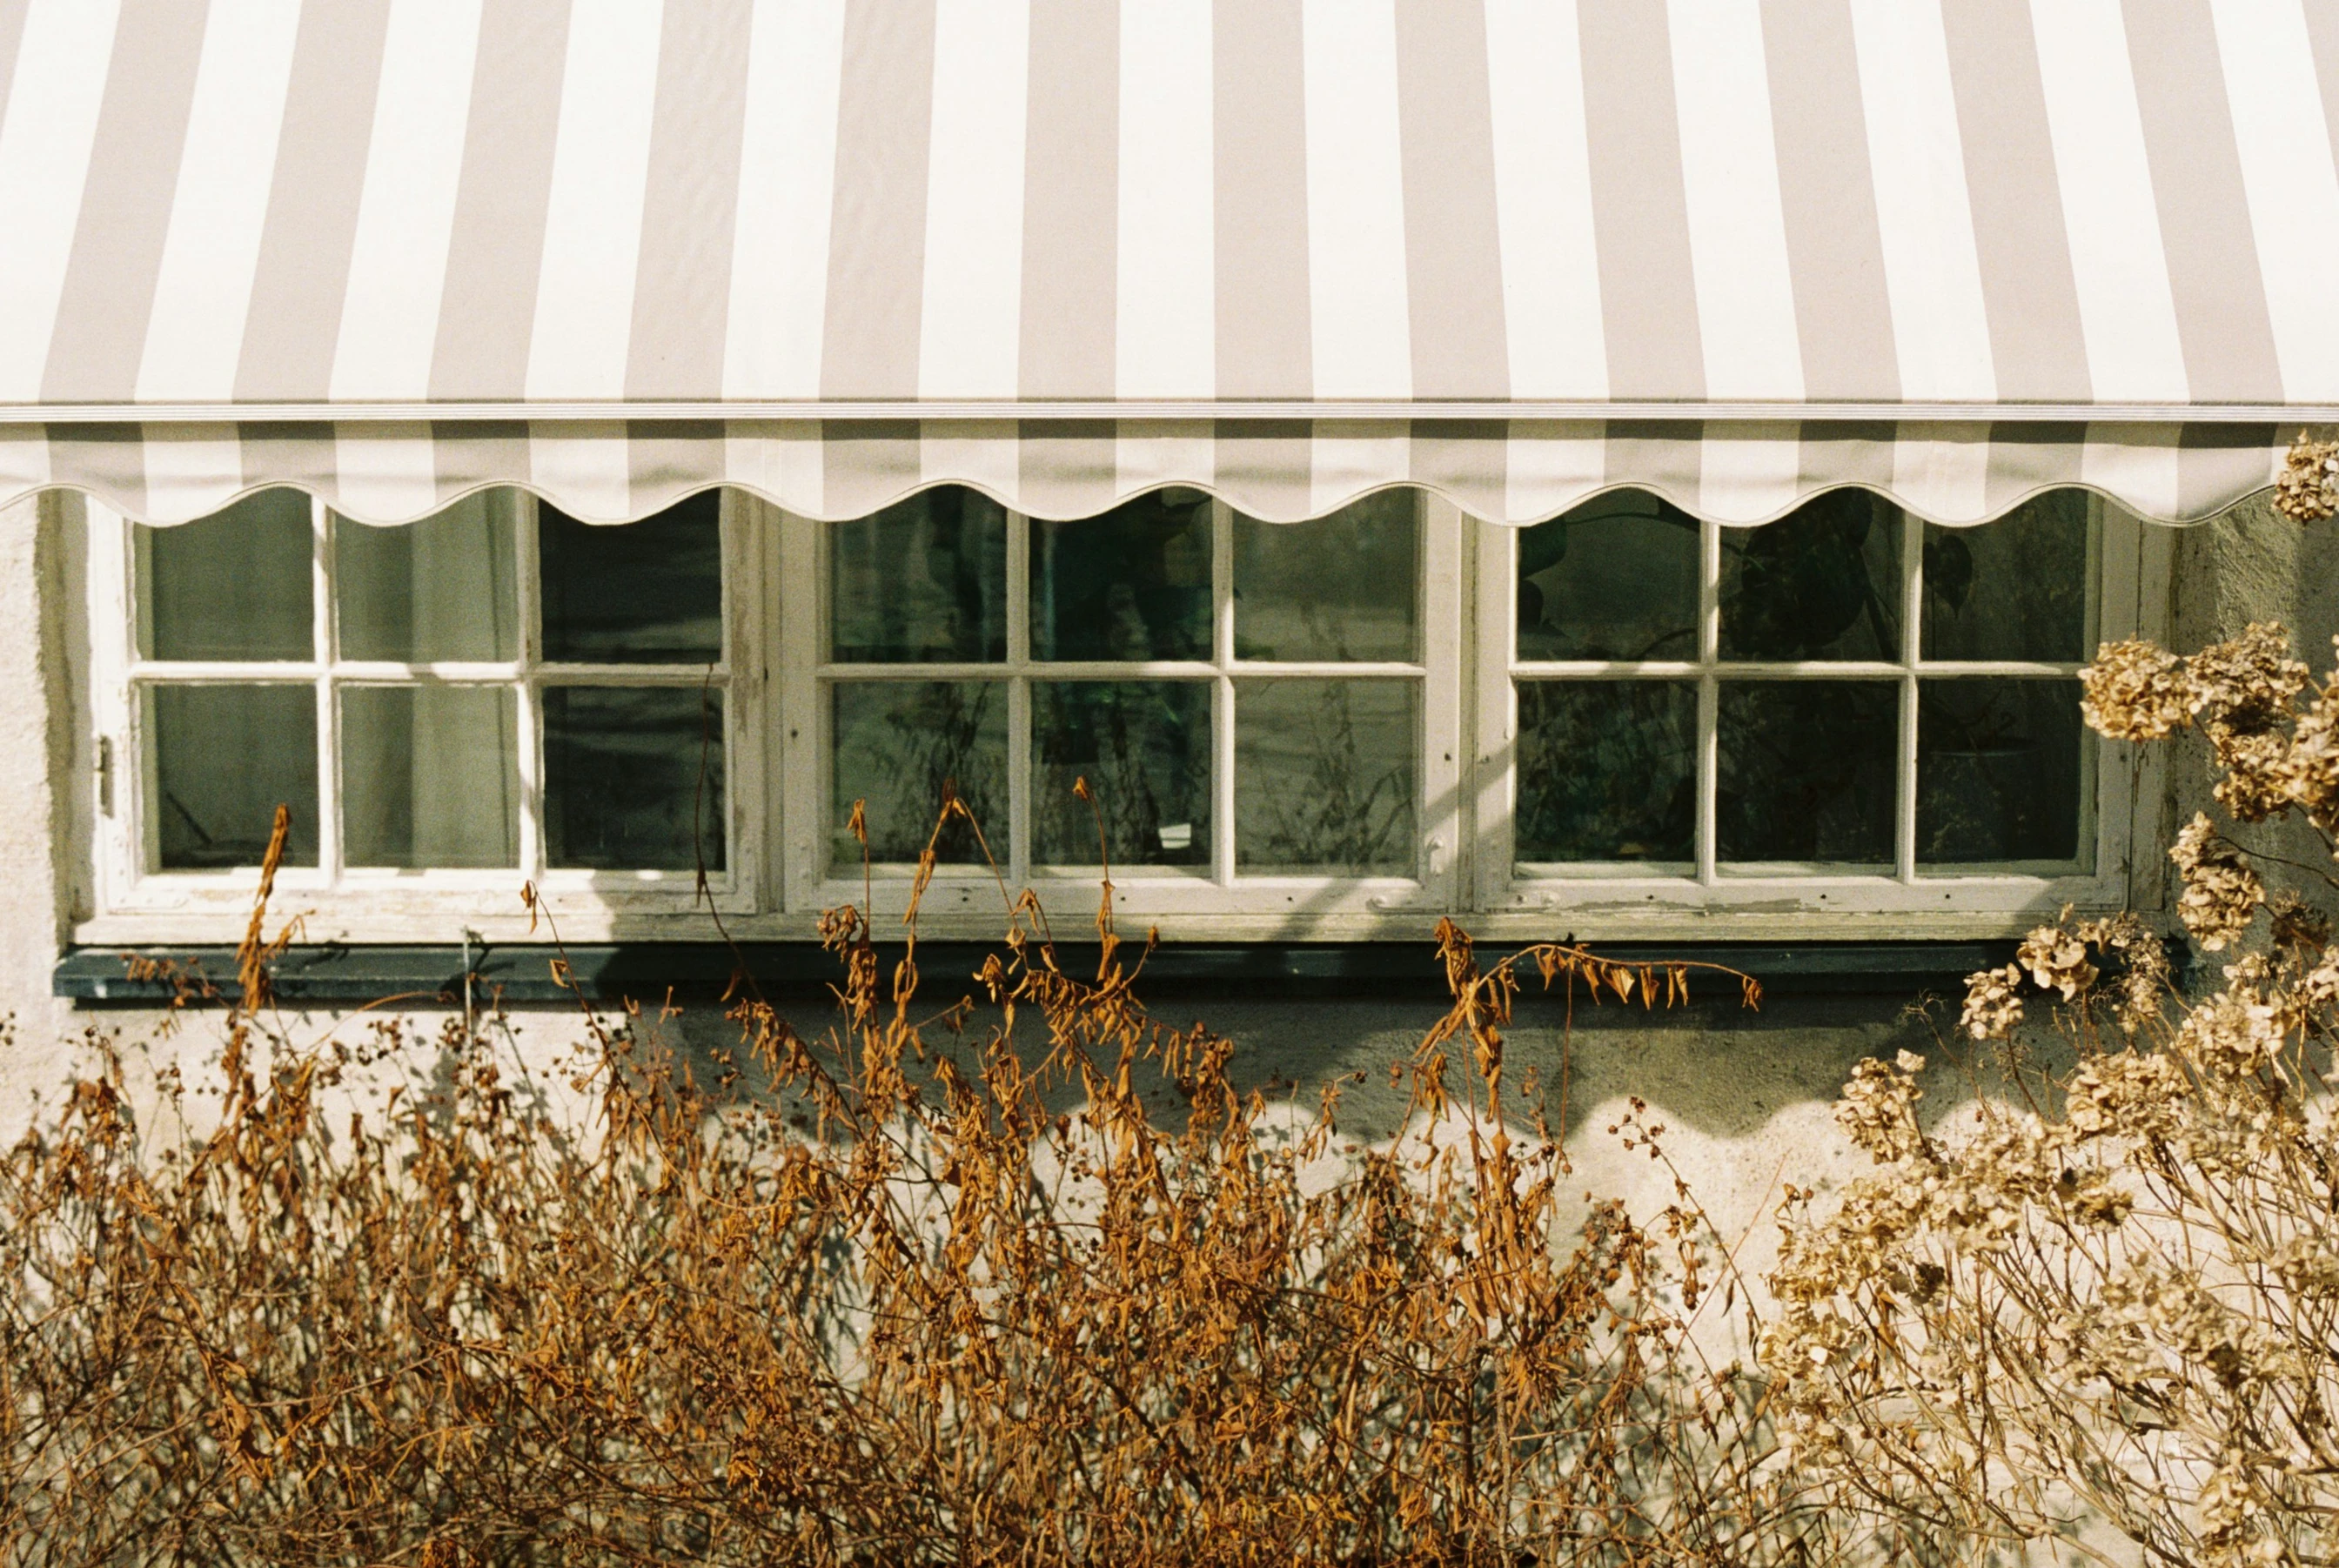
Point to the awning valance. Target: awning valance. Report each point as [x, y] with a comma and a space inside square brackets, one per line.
[1290, 250]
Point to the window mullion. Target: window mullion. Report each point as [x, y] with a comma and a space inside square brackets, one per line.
[327, 650]
[1912, 595]
[1709, 696]
[1019, 699]
[531, 728]
[1222, 695]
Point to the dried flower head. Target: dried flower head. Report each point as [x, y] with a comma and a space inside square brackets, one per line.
[2222, 893]
[2056, 961]
[2307, 489]
[1993, 1002]
[2136, 691]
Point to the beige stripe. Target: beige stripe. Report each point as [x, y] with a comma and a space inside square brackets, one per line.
[55, 98]
[488, 308]
[2136, 465]
[1349, 457]
[1072, 199]
[1260, 233]
[1648, 294]
[12, 17]
[1551, 465]
[584, 468]
[1149, 453]
[690, 213]
[192, 470]
[23, 461]
[298, 286]
[1453, 245]
[1827, 194]
[125, 207]
[984, 453]
[877, 258]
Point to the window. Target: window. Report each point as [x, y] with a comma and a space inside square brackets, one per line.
[1623, 719]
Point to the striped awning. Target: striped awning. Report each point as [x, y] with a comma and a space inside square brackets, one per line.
[1290, 251]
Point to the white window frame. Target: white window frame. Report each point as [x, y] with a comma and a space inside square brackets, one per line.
[138, 901]
[777, 879]
[2128, 570]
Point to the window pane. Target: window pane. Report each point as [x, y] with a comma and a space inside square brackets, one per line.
[649, 592]
[2013, 589]
[1144, 746]
[1325, 775]
[430, 777]
[1133, 583]
[1616, 579]
[1807, 769]
[225, 757]
[1998, 769]
[1335, 587]
[632, 777]
[236, 585]
[441, 588]
[899, 745]
[923, 580]
[1822, 583]
[1607, 771]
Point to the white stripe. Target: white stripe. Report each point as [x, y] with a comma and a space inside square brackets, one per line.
[788, 175]
[62, 60]
[784, 461]
[2136, 465]
[1932, 268]
[1148, 453]
[1355, 200]
[583, 467]
[2127, 313]
[1350, 457]
[1543, 200]
[385, 473]
[985, 453]
[406, 210]
[1729, 184]
[593, 221]
[24, 460]
[203, 290]
[1748, 473]
[1167, 334]
[970, 330]
[2285, 141]
[1941, 471]
[1549, 465]
[192, 470]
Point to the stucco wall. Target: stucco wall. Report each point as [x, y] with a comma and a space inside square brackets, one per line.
[1746, 1097]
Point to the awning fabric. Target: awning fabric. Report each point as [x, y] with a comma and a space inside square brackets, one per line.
[1290, 251]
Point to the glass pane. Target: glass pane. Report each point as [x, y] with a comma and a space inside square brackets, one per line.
[225, 757]
[923, 580]
[1822, 582]
[1133, 583]
[1144, 746]
[1607, 771]
[649, 592]
[1325, 775]
[1998, 773]
[236, 585]
[430, 777]
[441, 588]
[1807, 769]
[2013, 589]
[1616, 579]
[1335, 587]
[899, 745]
[632, 777]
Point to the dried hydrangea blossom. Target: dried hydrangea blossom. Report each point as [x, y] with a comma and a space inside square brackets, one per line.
[2143, 971]
[1993, 1003]
[2222, 893]
[2246, 683]
[2056, 961]
[2136, 691]
[2307, 489]
[2309, 770]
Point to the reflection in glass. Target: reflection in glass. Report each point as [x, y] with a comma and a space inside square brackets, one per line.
[1999, 771]
[1607, 771]
[649, 592]
[2013, 589]
[224, 758]
[441, 588]
[1822, 582]
[924, 580]
[236, 585]
[1807, 771]
[1133, 583]
[632, 777]
[1324, 775]
[1616, 579]
[1334, 588]
[430, 777]
[1144, 747]
[900, 747]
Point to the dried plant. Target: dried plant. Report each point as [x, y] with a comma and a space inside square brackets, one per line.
[2115, 1289]
[933, 1290]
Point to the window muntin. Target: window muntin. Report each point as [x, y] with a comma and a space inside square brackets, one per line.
[1182, 659]
[405, 704]
[1848, 691]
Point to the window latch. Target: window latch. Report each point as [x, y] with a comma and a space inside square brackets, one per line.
[105, 775]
